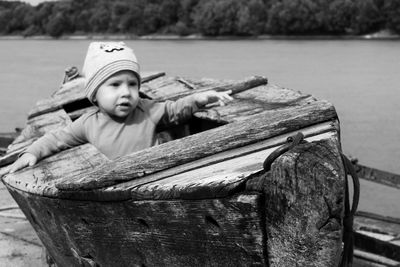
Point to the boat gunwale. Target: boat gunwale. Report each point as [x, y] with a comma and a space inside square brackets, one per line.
[122, 190]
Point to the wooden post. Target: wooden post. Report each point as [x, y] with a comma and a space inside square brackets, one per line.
[304, 205]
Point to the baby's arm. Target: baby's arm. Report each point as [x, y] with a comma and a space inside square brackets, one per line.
[174, 112]
[208, 97]
[49, 144]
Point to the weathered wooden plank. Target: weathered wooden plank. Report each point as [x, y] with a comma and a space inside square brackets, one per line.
[7, 138]
[213, 181]
[148, 76]
[208, 232]
[232, 167]
[378, 176]
[40, 178]
[35, 128]
[177, 152]
[378, 234]
[42, 124]
[253, 101]
[303, 205]
[53, 104]
[377, 244]
[235, 86]
[73, 92]
[366, 259]
[163, 87]
[377, 223]
[75, 86]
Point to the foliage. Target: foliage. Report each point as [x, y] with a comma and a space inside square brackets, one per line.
[368, 17]
[392, 14]
[207, 17]
[339, 16]
[296, 17]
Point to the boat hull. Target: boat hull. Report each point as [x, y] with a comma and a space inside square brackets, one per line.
[210, 232]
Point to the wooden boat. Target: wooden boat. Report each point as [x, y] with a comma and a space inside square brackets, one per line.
[205, 197]
[377, 237]
[377, 240]
[6, 139]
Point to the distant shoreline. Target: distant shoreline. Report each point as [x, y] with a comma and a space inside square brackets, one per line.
[382, 35]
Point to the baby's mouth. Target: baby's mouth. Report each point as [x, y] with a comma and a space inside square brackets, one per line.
[125, 104]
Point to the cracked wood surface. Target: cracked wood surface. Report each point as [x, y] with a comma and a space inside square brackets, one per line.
[200, 200]
[35, 128]
[214, 176]
[259, 127]
[303, 205]
[209, 232]
[287, 216]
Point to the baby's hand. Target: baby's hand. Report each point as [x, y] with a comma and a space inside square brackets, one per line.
[27, 159]
[213, 96]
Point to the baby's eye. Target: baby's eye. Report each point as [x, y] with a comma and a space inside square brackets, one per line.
[115, 84]
[132, 83]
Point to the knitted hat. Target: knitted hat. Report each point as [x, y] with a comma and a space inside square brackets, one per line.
[103, 59]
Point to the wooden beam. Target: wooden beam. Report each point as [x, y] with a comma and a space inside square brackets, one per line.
[213, 180]
[232, 168]
[39, 179]
[235, 86]
[377, 234]
[378, 176]
[35, 128]
[304, 205]
[178, 152]
[251, 102]
[367, 259]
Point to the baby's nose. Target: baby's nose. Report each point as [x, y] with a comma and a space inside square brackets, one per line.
[124, 90]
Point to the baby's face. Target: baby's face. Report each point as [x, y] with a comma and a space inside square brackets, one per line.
[118, 95]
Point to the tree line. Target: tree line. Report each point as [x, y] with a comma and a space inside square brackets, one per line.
[205, 17]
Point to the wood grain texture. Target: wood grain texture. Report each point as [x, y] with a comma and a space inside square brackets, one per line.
[292, 217]
[38, 126]
[304, 206]
[378, 176]
[378, 234]
[253, 101]
[177, 152]
[220, 176]
[40, 178]
[202, 200]
[209, 232]
[219, 86]
[214, 176]
[35, 128]
[175, 87]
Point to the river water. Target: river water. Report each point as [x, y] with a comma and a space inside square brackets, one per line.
[360, 77]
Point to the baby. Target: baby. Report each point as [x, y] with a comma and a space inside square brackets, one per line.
[124, 122]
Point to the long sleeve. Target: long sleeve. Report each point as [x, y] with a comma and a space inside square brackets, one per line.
[172, 112]
[55, 141]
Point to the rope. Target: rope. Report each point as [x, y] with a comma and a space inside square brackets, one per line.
[292, 141]
[348, 233]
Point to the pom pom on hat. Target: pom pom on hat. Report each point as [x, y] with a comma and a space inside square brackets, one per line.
[103, 59]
